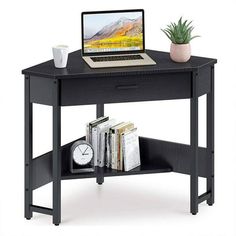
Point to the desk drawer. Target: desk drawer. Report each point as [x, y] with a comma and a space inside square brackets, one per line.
[125, 89]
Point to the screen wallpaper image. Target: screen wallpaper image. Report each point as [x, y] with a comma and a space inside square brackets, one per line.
[110, 32]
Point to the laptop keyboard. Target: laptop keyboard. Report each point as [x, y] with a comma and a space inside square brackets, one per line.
[117, 58]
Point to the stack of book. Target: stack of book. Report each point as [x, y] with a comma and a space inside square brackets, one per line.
[116, 145]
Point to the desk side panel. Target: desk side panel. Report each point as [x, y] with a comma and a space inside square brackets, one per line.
[42, 170]
[175, 155]
[41, 90]
[147, 87]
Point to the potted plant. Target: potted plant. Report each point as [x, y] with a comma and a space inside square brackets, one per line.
[180, 35]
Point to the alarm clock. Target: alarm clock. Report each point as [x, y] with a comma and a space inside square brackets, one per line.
[82, 157]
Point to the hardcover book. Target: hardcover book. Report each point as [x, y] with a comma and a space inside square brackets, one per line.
[124, 128]
[101, 130]
[114, 141]
[131, 153]
[92, 124]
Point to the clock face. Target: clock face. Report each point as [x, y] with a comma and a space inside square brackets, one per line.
[83, 154]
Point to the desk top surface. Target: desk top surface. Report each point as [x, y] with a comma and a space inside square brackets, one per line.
[78, 68]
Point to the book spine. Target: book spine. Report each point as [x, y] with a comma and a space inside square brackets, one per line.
[90, 133]
[98, 147]
[87, 133]
[114, 150]
[95, 145]
[107, 149]
[123, 150]
[101, 148]
[118, 150]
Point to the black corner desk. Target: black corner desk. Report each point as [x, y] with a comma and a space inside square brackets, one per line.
[80, 85]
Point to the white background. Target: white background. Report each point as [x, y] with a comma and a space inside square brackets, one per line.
[148, 204]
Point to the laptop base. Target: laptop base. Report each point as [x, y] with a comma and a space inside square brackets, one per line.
[119, 63]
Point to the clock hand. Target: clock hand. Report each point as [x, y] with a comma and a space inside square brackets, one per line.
[80, 150]
[84, 151]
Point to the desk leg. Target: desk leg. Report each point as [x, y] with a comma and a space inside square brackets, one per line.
[210, 140]
[100, 110]
[99, 170]
[194, 145]
[56, 154]
[28, 149]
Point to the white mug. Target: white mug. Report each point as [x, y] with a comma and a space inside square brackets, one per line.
[60, 55]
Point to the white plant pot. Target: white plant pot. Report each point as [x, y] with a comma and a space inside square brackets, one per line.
[180, 52]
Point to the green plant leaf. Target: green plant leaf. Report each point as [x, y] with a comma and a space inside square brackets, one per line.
[167, 34]
[180, 32]
[189, 24]
[196, 36]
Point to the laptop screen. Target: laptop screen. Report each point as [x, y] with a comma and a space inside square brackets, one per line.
[112, 32]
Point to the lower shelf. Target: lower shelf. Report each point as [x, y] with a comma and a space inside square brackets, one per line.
[156, 157]
[143, 169]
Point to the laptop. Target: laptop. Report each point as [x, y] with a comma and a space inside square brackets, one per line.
[114, 39]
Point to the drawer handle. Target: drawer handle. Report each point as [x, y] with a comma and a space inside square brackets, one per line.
[130, 86]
